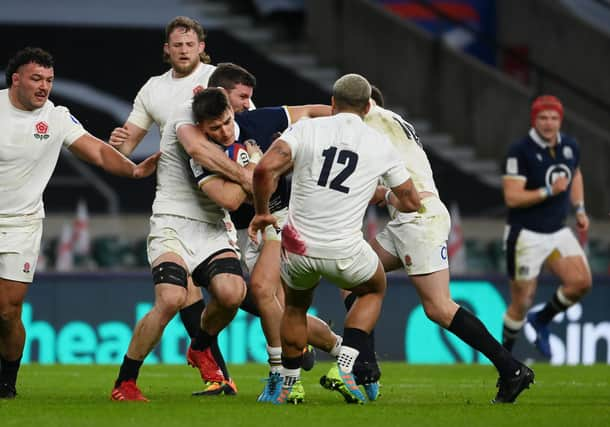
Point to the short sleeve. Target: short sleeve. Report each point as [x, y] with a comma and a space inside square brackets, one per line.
[72, 127]
[182, 115]
[396, 173]
[293, 137]
[139, 115]
[515, 165]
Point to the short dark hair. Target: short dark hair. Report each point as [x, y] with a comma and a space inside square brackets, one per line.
[25, 56]
[187, 24]
[228, 75]
[210, 104]
[377, 96]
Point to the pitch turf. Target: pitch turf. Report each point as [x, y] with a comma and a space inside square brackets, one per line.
[451, 396]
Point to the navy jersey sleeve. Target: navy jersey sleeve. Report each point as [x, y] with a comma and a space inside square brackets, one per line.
[262, 125]
[516, 162]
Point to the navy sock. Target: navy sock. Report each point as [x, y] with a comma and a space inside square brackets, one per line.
[191, 317]
[8, 370]
[130, 369]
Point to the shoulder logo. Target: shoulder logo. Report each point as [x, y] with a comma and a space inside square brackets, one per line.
[41, 131]
[567, 152]
[539, 157]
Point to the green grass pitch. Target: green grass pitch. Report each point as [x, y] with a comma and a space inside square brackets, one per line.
[419, 395]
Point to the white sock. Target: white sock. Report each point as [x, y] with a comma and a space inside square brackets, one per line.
[347, 357]
[337, 347]
[275, 358]
[290, 376]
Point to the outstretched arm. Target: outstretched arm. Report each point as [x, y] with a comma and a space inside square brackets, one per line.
[127, 137]
[98, 153]
[312, 110]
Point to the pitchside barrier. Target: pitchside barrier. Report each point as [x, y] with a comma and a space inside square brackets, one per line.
[89, 318]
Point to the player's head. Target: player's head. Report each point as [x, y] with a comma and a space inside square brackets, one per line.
[351, 93]
[546, 116]
[29, 76]
[184, 45]
[214, 115]
[237, 81]
[377, 96]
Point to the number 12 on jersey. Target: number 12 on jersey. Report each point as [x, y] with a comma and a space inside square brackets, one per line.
[345, 157]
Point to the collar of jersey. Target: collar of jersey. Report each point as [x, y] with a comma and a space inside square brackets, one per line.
[541, 142]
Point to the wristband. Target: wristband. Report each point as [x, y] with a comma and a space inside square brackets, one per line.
[544, 192]
[388, 194]
[579, 208]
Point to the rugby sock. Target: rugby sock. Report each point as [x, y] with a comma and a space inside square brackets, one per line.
[337, 347]
[367, 353]
[248, 304]
[218, 357]
[8, 370]
[275, 359]
[353, 341]
[471, 330]
[191, 317]
[202, 340]
[510, 331]
[130, 369]
[292, 363]
[557, 304]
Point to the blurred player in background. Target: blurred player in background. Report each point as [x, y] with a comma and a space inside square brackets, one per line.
[542, 183]
[33, 132]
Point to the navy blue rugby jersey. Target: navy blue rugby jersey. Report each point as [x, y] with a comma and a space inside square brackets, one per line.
[262, 125]
[540, 165]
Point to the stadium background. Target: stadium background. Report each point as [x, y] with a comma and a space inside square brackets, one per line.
[463, 71]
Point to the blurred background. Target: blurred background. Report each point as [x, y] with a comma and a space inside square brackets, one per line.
[463, 72]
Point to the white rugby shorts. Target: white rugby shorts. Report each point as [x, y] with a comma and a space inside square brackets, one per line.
[419, 239]
[526, 250]
[301, 272]
[19, 250]
[194, 241]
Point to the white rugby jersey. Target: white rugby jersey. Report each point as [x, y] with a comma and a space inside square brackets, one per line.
[403, 137]
[161, 94]
[337, 163]
[177, 192]
[30, 143]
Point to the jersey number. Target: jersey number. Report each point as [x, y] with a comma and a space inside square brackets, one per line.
[345, 157]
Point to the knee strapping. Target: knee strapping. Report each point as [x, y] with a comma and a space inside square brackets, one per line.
[203, 274]
[170, 272]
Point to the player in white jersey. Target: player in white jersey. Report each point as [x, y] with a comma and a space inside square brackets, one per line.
[184, 50]
[336, 162]
[417, 242]
[33, 132]
[188, 237]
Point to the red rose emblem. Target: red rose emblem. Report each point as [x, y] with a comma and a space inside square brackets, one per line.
[42, 127]
[197, 89]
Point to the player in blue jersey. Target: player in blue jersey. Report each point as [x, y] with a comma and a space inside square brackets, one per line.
[262, 259]
[542, 183]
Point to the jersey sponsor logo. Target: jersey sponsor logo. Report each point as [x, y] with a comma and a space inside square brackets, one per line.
[444, 252]
[557, 171]
[41, 131]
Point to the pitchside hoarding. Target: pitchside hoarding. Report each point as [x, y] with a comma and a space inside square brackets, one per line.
[89, 318]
